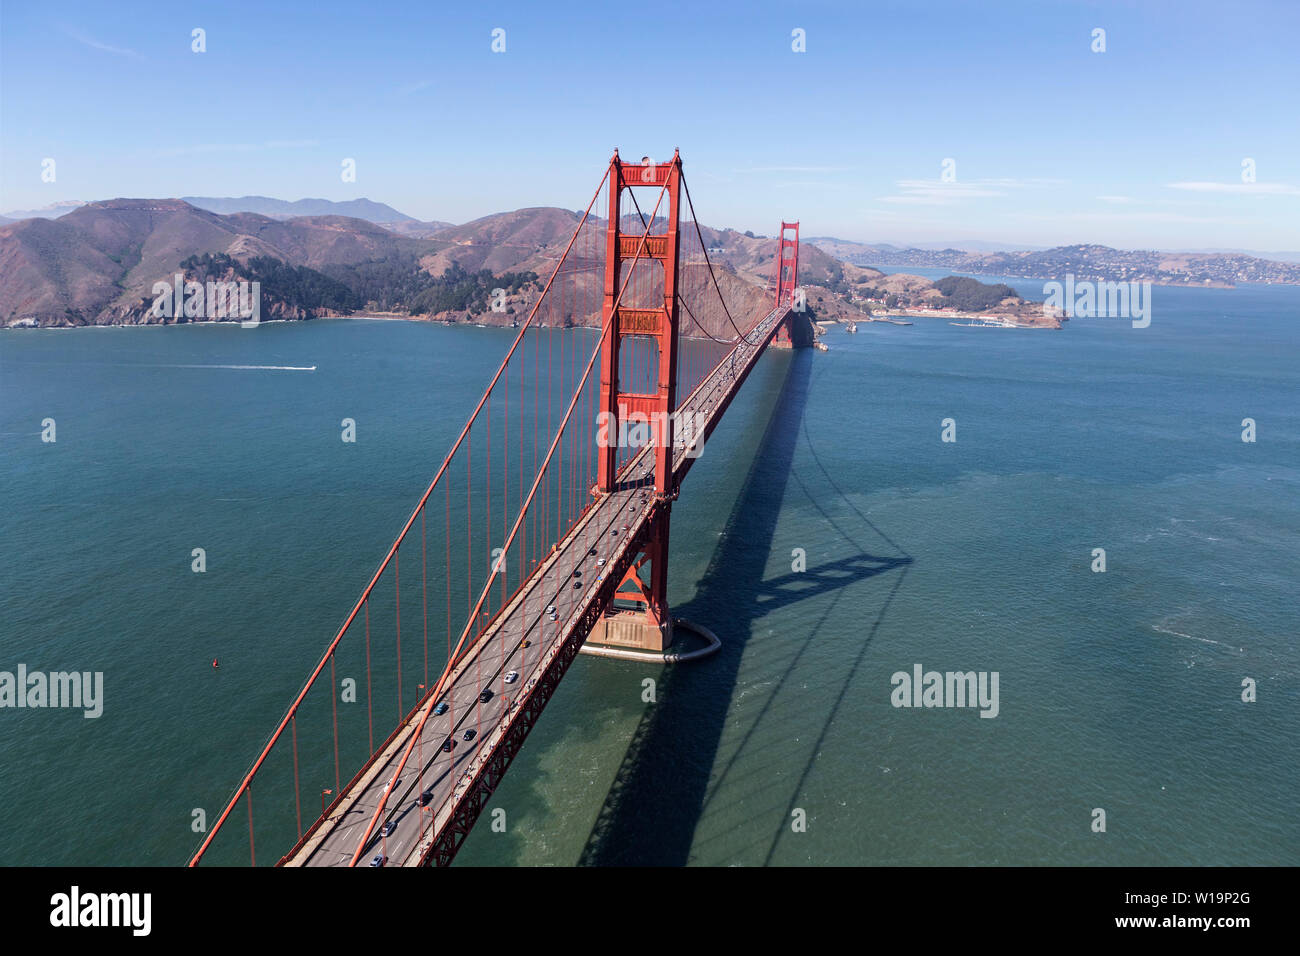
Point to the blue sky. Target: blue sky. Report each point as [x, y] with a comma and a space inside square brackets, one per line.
[1140, 146]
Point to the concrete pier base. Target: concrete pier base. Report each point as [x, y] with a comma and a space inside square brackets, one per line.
[631, 629]
[712, 646]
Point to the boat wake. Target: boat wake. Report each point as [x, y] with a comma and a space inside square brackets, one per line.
[1191, 637]
[266, 368]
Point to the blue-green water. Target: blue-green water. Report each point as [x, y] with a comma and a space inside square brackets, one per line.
[1119, 690]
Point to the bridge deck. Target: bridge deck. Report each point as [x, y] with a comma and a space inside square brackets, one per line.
[522, 638]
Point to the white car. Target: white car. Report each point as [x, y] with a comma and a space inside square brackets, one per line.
[512, 677]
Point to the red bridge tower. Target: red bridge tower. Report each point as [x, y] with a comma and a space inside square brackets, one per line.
[650, 626]
[787, 282]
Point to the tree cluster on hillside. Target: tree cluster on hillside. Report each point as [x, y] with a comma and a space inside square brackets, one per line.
[399, 284]
[298, 286]
[835, 280]
[457, 290]
[967, 294]
[383, 285]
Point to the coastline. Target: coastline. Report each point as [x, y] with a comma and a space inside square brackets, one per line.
[382, 317]
[990, 319]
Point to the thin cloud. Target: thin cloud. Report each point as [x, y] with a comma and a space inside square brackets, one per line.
[1240, 189]
[98, 44]
[929, 192]
[414, 87]
[793, 169]
[704, 174]
[934, 192]
[1034, 182]
[1131, 201]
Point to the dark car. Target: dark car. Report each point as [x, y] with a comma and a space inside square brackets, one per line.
[484, 697]
[380, 860]
[447, 745]
[425, 798]
[471, 734]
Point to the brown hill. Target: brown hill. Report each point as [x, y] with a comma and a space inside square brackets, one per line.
[47, 271]
[909, 288]
[509, 241]
[414, 229]
[317, 241]
[95, 264]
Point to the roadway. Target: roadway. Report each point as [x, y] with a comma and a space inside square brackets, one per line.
[523, 640]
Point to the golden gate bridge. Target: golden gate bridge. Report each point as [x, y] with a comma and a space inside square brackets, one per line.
[545, 527]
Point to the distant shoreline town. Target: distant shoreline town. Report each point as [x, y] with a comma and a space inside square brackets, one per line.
[1093, 262]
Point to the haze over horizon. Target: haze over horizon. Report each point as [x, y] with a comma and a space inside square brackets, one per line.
[232, 204]
[1139, 146]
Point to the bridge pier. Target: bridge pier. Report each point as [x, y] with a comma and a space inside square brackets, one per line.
[631, 629]
[639, 617]
[795, 332]
[783, 339]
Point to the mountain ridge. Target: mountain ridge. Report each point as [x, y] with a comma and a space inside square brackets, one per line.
[366, 209]
[362, 208]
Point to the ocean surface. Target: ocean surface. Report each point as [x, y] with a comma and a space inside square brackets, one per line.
[1118, 691]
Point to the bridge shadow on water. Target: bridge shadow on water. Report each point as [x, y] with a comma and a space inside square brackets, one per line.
[670, 772]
